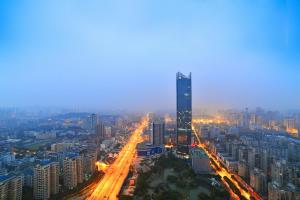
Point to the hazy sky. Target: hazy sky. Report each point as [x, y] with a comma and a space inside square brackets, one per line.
[125, 54]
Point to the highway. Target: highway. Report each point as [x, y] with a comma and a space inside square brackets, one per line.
[110, 185]
[223, 172]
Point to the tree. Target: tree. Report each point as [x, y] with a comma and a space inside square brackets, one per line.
[169, 195]
[203, 196]
[172, 179]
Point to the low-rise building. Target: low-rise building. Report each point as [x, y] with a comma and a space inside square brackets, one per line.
[200, 161]
[146, 149]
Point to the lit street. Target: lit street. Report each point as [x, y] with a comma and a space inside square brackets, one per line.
[111, 184]
[223, 172]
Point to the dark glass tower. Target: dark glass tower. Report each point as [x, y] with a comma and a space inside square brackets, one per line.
[184, 111]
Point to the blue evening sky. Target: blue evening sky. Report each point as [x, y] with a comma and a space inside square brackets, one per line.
[125, 54]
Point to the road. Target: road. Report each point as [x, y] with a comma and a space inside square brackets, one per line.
[110, 185]
[223, 172]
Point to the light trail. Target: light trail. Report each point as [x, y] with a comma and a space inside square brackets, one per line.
[223, 172]
[109, 187]
[101, 166]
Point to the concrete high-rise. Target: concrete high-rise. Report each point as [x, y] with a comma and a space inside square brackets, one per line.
[92, 121]
[73, 171]
[184, 111]
[54, 178]
[70, 173]
[45, 180]
[158, 132]
[10, 187]
[100, 132]
[79, 167]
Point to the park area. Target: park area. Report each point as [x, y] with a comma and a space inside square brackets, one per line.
[172, 178]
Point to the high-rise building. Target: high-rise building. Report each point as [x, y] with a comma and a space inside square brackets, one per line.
[92, 121]
[246, 119]
[258, 181]
[70, 173]
[45, 180]
[10, 187]
[243, 169]
[41, 182]
[289, 192]
[73, 171]
[100, 131]
[89, 164]
[108, 133]
[79, 167]
[158, 132]
[54, 178]
[184, 111]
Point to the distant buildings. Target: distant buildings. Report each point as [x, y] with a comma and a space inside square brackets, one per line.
[184, 111]
[45, 180]
[107, 132]
[289, 123]
[61, 147]
[92, 121]
[100, 131]
[269, 162]
[10, 187]
[277, 192]
[246, 119]
[46, 136]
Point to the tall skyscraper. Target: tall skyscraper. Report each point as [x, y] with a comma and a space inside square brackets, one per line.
[158, 132]
[184, 111]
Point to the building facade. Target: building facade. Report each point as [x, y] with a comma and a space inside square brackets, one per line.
[10, 187]
[70, 173]
[54, 178]
[184, 111]
[200, 161]
[45, 180]
[41, 182]
[158, 132]
[100, 132]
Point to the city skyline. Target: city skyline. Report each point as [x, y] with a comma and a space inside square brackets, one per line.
[150, 100]
[89, 56]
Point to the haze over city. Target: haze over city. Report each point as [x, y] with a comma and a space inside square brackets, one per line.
[124, 54]
[150, 100]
